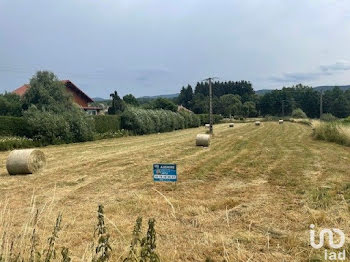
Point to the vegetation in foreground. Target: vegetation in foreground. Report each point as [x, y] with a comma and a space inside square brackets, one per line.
[251, 195]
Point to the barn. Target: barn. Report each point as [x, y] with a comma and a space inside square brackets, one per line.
[79, 97]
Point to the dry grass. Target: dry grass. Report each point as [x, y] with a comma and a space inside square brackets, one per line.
[250, 196]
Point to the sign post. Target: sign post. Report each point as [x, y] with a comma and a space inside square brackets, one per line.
[164, 173]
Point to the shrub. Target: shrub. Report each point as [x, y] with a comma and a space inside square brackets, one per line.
[298, 113]
[13, 126]
[9, 143]
[53, 128]
[107, 123]
[204, 118]
[332, 132]
[147, 121]
[328, 117]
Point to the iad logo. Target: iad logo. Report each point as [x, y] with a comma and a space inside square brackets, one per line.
[329, 232]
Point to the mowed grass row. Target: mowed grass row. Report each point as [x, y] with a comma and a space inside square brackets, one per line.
[251, 195]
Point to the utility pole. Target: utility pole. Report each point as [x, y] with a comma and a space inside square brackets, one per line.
[283, 108]
[321, 104]
[210, 104]
[210, 107]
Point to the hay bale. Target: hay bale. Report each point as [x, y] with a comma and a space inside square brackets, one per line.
[280, 121]
[203, 140]
[257, 123]
[231, 125]
[25, 161]
[207, 125]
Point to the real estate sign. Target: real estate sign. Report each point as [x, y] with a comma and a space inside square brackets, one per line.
[164, 172]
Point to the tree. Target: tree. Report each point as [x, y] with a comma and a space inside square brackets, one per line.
[249, 109]
[51, 115]
[163, 103]
[131, 100]
[118, 105]
[231, 105]
[10, 105]
[298, 113]
[46, 92]
[185, 97]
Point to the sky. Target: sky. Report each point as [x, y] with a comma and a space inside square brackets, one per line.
[157, 46]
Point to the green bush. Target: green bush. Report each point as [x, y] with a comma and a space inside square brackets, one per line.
[204, 118]
[9, 143]
[52, 128]
[328, 117]
[13, 126]
[331, 132]
[147, 121]
[107, 123]
[298, 113]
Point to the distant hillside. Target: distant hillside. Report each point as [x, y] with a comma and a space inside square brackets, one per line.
[159, 96]
[325, 88]
[99, 99]
[317, 88]
[263, 91]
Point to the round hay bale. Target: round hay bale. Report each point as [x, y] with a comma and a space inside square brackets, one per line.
[280, 121]
[207, 125]
[257, 123]
[25, 161]
[203, 140]
[231, 125]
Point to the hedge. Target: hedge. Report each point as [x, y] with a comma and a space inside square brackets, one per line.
[13, 126]
[147, 121]
[107, 123]
[205, 118]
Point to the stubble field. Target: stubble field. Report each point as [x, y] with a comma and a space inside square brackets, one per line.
[250, 196]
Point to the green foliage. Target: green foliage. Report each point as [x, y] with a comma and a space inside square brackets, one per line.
[320, 198]
[51, 115]
[103, 248]
[185, 97]
[147, 121]
[328, 117]
[10, 105]
[107, 123]
[143, 250]
[118, 105]
[249, 109]
[298, 113]
[163, 103]
[46, 92]
[115, 134]
[13, 126]
[290, 98]
[54, 128]
[230, 104]
[131, 100]
[9, 143]
[204, 119]
[331, 132]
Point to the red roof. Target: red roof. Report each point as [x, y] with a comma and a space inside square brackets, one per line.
[23, 89]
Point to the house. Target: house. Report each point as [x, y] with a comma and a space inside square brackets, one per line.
[79, 97]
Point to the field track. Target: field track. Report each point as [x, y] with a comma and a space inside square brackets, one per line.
[250, 196]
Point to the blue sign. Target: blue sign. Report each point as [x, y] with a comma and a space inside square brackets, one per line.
[164, 172]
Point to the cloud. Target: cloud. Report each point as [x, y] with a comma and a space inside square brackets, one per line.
[338, 66]
[147, 74]
[322, 70]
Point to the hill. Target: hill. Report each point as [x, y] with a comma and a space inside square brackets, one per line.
[317, 88]
[325, 88]
[159, 96]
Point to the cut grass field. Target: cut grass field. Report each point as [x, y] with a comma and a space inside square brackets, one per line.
[250, 196]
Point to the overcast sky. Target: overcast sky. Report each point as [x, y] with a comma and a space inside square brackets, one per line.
[151, 47]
